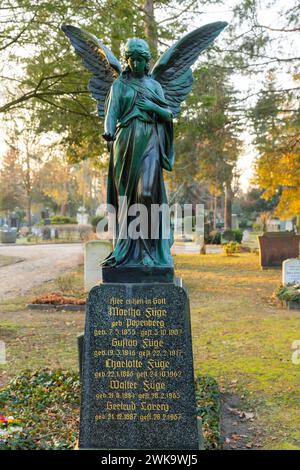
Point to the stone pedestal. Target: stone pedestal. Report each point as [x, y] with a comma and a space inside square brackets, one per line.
[137, 376]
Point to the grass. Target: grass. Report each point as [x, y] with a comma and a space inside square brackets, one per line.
[39, 241]
[242, 338]
[37, 339]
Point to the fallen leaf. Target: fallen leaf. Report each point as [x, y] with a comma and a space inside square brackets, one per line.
[247, 415]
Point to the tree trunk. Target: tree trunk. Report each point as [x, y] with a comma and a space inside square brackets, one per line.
[28, 188]
[28, 212]
[228, 207]
[215, 212]
[151, 27]
[64, 204]
[298, 224]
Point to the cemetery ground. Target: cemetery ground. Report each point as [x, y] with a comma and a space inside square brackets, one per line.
[7, 260]
[29, 266]
[242, 338]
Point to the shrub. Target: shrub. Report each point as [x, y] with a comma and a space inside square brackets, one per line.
[61, 220]
[24, 231]
[238, 235]
[290, 292]
[215, 237]
[66, 282]
[95, 221]
[245, 223]
[232, 248]
[209, 409]
[46, 233]
[228, 236]
[232, 235]
[257, 227]
[86, 233]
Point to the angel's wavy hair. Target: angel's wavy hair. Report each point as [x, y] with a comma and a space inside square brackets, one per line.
[137, 46]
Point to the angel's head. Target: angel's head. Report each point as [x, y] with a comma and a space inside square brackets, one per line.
[137, 56]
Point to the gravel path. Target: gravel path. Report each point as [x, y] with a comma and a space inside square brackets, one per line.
[43, 263]
[40, 263]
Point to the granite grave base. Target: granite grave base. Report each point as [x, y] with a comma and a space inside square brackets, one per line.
[138, 387]
[137, 274]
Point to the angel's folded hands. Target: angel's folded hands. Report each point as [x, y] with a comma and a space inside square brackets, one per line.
[147, 105]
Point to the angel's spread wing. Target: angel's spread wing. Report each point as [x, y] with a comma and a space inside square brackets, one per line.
[173, 68]
[98, 59]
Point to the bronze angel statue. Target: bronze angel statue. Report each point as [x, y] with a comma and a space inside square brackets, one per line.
[138, 107]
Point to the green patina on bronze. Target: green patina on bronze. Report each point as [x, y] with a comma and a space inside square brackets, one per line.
[139, 108]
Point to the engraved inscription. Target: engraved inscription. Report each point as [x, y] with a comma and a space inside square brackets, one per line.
[136, 361]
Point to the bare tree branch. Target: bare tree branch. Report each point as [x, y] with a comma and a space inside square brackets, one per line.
[174, 17]
[42, 98]
[16, 38]
[283, 30]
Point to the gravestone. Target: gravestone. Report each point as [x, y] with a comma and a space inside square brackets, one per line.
[246, 236]
[291, 271]
[95, 251]
[275, 247]
[82, 219]
[137, 376]
[273, 225]
[178, 229]
[8, 235]
[234, 222]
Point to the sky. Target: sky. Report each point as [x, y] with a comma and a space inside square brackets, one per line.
[267, 16]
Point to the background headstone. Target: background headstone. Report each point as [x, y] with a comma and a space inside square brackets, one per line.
[138, 388]
[289, 226]
[275, 247]
[82, 216]
[246, 236]
[291, 271]
[95, 251]
[273, 225]
[178, 228]
[234, 222]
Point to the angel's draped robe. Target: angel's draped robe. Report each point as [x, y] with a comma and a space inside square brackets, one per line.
[143, 146]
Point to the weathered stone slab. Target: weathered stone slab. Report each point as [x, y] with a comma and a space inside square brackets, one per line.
[291, 271]
[292, 305]
[275, 247]
[138, 382]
